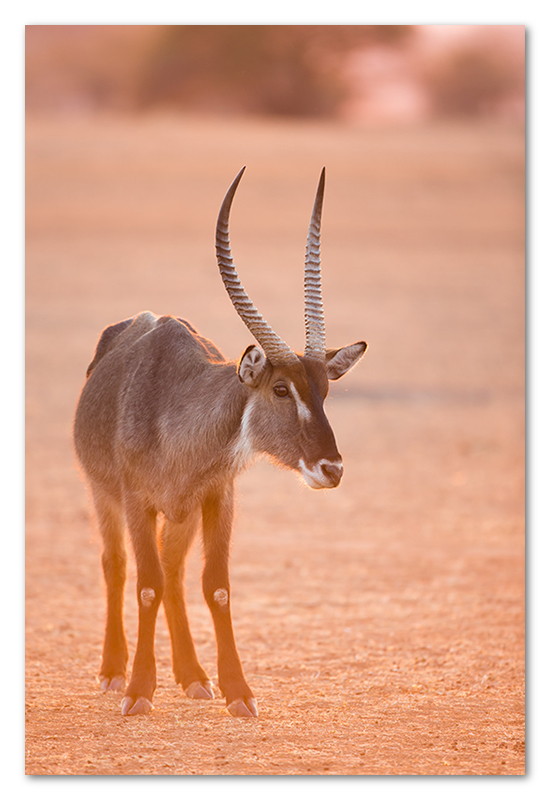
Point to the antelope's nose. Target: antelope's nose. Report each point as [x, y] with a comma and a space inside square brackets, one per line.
[333, 473]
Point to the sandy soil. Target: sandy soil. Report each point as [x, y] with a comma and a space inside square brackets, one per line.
[381, 624]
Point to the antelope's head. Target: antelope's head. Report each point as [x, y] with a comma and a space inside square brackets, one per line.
[285, 415]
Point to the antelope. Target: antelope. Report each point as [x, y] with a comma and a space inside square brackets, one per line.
[163, 426]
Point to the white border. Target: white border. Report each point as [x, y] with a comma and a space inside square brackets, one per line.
[534, 15]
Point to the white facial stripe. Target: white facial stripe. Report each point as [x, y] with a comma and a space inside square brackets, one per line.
[304, 414]
[315, 477]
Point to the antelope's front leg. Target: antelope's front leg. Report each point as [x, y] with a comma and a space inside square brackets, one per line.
[176, 538]
[217, 521]
[138, 698]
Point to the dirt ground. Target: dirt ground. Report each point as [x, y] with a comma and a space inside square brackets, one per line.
[381, 624]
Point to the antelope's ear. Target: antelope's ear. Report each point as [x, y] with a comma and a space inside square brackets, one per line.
[338, 362]
[251, 366]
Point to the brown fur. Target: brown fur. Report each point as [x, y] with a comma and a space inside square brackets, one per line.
[163, 425]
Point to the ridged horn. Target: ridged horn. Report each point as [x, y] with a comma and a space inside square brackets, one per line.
[314, 315]
[277, 351]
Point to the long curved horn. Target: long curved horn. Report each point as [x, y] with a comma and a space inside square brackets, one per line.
[315, 318]
[277, 351]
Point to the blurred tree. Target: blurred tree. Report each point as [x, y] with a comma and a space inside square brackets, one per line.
[290, 70]
[85, 67]
[474, 80]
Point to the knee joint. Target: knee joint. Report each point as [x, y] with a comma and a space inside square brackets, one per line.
[147, 597]
[221, 597]
[217, 599]
[150, 597]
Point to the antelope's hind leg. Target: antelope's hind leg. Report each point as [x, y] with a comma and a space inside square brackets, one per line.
[112, 675]
[176, 539]
[138, 698]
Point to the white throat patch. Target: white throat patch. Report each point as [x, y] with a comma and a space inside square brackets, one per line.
[243, 449]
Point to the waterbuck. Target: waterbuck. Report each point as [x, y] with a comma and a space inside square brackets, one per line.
[163, 426]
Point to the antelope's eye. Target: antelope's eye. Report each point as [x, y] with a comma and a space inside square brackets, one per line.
[280, 389]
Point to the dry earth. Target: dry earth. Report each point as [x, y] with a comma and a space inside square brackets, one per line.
[381, 624]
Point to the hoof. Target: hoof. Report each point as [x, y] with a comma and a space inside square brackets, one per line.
[243, 707]
[199, 690]
[131, 707]
[115, 684]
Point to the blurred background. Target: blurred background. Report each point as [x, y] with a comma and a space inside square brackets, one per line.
[381, 625]
[368, 73]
